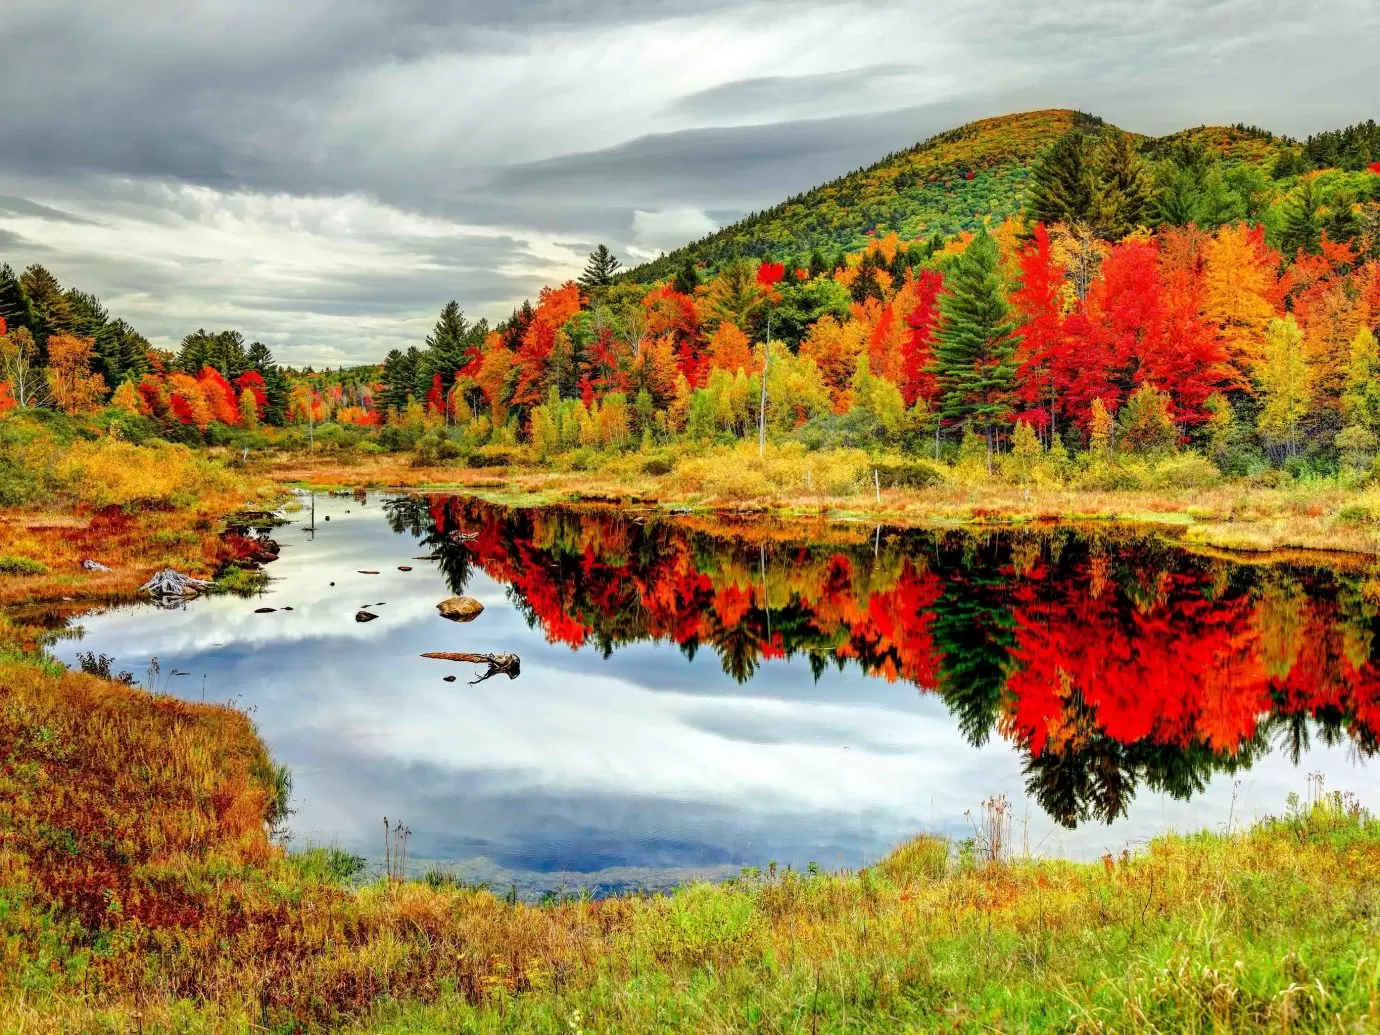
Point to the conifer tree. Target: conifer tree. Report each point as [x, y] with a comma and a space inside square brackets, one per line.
[258, 357]
[450, 346]
[52, 311]
[688, 278]
[1122, 201]
[16, 309]
[975, 349]
[599, 270]
[1302, 230]
[1064, 187]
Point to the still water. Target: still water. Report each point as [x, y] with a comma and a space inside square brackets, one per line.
[695, 697]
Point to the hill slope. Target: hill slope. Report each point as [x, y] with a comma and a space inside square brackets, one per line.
[951, 182]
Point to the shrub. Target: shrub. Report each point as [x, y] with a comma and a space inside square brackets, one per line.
[909, 473]
[1185, 472]
[497, 456]
[21, 566]
[110, 472]
[435, 448]
[1101, 476]
[1356, 514]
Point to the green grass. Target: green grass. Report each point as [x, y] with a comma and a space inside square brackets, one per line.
[10, 565]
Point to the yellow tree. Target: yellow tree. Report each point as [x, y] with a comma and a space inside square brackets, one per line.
[1241, 277]
[75, 388]
[249, 409]
[127, 398]
[1286, 380]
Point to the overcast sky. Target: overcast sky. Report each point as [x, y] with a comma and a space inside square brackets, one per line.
[325, 174]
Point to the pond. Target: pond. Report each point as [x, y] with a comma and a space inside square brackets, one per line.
[696, 696]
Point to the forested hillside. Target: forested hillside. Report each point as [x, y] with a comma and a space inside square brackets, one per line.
[957, 181]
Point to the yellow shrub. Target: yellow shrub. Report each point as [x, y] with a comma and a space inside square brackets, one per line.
[739, 473]
[109, 472]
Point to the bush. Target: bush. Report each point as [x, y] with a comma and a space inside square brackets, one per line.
[909, 473]
[1351, 514]
[738, 473]
[399, 438]
[21, 566]
[114, 473]
[1185, 472]
[1102, 476]
[435, 448]
[497, 456]
[658, 465]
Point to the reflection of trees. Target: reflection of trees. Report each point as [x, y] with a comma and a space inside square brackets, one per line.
[1111, 661]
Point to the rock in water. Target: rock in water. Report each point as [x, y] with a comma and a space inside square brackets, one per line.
[365, 616]
[460, 609]
[368, 571]
[264, 610]
[404, 567]
[448, 679]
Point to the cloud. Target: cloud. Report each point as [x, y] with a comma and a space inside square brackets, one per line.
[666, 229]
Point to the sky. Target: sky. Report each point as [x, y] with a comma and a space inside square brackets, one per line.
[324, 175]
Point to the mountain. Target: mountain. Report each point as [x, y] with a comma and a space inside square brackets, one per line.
[951, 182]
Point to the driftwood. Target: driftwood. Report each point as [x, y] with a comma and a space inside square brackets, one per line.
[509, 665]
[169, 583]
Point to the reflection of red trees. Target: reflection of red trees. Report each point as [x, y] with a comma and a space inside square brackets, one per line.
[1152, 649]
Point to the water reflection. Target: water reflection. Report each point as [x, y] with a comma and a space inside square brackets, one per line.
[1112, 661]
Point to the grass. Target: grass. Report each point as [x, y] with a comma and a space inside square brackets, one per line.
[1234, 515]
[140, 890]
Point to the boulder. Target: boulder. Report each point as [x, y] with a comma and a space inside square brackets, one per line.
[264, 610]
[365, 616]
[460, 609]
[404, 567]
[91, 565]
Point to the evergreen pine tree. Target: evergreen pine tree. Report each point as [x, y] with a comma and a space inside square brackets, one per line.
[15, 308]
[259, 358]
[447, 346]
[52, 312]
[600, 269]
[688, 278]
[1064, 187]
[974, 351]
[1342, 224]
[1122, 202]
[817, 266]
[1302, 230]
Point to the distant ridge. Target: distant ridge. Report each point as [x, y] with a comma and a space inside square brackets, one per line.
[951, 182]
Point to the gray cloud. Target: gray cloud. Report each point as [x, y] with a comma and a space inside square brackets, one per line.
[328, 173]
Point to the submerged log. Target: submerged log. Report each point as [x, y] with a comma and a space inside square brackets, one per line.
[169, 583]
[509, 665]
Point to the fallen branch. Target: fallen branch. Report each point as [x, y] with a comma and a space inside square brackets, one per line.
[169, 583]
[507, 664]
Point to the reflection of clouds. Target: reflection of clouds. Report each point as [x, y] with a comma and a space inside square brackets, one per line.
[583, 764]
